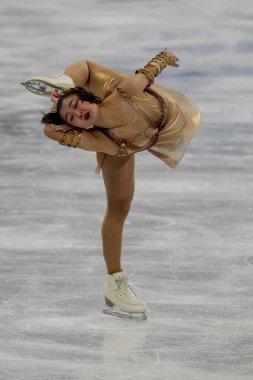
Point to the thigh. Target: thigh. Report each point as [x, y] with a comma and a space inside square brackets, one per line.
[118, 175]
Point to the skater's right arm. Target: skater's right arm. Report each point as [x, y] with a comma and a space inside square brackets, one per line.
[144, 77]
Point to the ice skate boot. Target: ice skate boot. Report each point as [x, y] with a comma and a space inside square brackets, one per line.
[47, 85]
[118, 293]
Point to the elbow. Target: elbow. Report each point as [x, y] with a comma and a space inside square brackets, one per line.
[134, 84]
[49, 132]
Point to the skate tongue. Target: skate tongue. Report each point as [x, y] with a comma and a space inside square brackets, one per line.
[119, 275]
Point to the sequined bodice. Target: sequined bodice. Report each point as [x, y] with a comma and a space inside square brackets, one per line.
[149, 111]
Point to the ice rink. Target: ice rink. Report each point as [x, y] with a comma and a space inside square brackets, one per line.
[188, 239]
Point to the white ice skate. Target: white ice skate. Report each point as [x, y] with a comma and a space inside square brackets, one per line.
[47, 85]
[118, 293]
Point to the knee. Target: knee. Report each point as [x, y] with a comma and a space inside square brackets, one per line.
[78, 71]
[120, 207]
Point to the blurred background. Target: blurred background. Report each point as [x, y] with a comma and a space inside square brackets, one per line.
[196, 221]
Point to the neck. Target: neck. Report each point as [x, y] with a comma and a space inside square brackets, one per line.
[99, 120]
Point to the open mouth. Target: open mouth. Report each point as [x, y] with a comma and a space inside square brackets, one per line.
[87, 116]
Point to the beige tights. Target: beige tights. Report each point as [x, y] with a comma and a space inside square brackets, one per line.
[118, 175]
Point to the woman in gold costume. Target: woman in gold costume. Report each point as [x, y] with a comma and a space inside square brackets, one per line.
[117, 115]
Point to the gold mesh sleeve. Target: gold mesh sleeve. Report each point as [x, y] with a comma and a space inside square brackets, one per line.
[155, 66]
[71, 138]
[93, 141]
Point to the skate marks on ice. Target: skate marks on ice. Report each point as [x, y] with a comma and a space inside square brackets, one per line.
[75, 338]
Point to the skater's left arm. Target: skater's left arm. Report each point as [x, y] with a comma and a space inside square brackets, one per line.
[93, 141]
[144, 77]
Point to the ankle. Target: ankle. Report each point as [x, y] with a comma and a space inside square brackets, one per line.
[114, 271]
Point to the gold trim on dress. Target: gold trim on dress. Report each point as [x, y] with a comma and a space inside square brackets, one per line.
[70, 143]
[155, 66]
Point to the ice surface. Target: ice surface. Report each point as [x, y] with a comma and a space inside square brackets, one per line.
[188, 239]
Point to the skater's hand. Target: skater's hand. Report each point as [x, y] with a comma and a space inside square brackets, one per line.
[172, 59]
[55, 96]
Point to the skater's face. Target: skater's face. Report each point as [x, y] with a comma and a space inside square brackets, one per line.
[77, 112]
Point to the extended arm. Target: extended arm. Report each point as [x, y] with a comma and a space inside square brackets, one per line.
[144, 77]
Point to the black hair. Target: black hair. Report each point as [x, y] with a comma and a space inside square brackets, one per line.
[54, 117]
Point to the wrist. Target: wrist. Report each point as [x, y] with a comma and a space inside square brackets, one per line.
[147, 75]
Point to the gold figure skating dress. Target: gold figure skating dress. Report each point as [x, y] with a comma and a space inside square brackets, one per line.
[160, 120]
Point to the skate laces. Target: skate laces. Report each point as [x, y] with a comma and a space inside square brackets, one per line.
[125, 288]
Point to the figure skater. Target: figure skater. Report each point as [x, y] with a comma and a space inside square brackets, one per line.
[116, 115]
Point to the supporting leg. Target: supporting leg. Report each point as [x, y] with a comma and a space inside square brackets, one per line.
[118, 175]
[112, 234]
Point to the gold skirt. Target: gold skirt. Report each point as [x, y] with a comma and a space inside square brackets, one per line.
[179, 129]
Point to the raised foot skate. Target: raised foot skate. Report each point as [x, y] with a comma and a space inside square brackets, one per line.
[39, 87]
[47, 85]
[123, 314]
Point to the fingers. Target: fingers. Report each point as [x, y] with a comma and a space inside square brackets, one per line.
[173, 59]
[52, 97]
[176, 64]
[56, 95]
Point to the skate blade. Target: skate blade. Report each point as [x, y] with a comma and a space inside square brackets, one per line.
[39, 87]
[139, 317]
